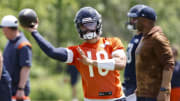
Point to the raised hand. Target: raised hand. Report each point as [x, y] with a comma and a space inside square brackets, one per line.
[84, 59]
[31, 29]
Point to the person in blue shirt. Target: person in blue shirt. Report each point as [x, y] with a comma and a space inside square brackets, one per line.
[130, 74]
[17, 57]
[175, 82]
[5, 82]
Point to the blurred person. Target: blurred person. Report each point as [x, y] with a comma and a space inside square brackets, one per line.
[98, 59]
[154, 59]
[5, 82]
[129, 73]
[175, 82]
[74, 74]
[17, 57]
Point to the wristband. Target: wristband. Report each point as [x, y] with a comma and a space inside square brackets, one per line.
[108, 64]
[20, 88]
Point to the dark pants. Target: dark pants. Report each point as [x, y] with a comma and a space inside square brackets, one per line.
[73, 72]
[5, 91]
[129, 89]
[145, 99]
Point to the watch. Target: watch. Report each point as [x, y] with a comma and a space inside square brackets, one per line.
[164, 89]
[20, 88]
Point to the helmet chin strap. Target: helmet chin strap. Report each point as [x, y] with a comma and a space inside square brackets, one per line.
[89, 35]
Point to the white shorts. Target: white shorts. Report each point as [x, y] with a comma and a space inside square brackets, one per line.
[85, 99]
[131, 97]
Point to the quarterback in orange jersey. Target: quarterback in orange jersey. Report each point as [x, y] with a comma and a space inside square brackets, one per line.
[99, 82]
[98, 59]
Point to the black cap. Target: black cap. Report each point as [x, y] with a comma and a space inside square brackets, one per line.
[148, 12]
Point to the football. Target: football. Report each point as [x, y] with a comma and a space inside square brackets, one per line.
[27, 17]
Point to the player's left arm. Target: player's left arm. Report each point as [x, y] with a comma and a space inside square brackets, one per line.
[24, 75]
[165, 56]
[25, 61]
[117, 62]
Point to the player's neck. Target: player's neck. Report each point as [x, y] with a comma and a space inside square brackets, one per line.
[13, 35]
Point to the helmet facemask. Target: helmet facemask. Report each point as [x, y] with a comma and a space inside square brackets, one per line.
[89, 28]
[131, 24]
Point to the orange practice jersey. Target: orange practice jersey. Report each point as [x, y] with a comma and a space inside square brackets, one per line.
[98, 83]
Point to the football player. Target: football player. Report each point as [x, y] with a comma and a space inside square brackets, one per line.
[97, 59]
[129, 74]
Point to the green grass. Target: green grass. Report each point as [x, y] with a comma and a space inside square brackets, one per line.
[53, 88]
